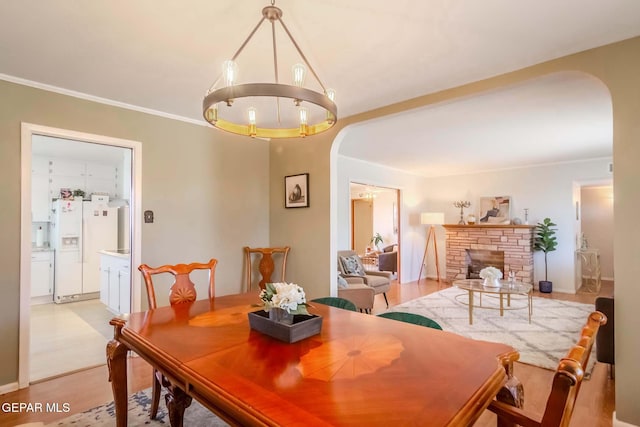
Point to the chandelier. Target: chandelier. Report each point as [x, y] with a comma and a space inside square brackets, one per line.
[270, 110]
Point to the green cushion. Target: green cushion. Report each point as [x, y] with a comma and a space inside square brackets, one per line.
[336, 302]
[416, 319]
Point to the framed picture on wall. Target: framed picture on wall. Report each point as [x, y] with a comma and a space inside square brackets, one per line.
[495, 210]
[296, 191]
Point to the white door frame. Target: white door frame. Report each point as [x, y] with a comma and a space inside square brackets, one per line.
[27, 131]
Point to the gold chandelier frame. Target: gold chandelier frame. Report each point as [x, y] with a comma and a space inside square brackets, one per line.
[275, 90]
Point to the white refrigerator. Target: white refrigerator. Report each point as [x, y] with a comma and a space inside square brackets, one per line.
[80, 229]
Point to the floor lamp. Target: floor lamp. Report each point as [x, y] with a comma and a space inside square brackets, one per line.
[431, 219]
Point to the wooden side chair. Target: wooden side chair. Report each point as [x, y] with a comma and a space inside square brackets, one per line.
[266, 266]
[565, 388]
[182, 291]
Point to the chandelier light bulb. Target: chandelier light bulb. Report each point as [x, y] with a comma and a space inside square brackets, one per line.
[331, 94]
[230, 72]
[299, 73]
[304, 116]
[252, 121]
[252, 115]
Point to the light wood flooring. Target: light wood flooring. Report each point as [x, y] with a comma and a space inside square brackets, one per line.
[67, 337]
[89, 388]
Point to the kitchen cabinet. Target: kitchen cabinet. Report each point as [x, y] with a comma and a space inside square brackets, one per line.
[115, 281]
[42, 274]
[89, 177]
[40, 196]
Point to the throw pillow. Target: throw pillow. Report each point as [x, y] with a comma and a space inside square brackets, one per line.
[342, 284]
[351, 265]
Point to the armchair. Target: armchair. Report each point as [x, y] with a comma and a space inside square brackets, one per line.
[388, 259]
[358, 293]
[350, 265]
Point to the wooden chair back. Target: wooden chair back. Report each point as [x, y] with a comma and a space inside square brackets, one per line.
[182, 290]
[566, 384]
[266, 266]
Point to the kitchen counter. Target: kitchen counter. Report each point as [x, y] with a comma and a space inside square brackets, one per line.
[118, 253]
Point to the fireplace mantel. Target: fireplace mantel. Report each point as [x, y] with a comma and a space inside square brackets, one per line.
[516, 241]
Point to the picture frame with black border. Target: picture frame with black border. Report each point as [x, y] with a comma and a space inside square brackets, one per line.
[296, 191]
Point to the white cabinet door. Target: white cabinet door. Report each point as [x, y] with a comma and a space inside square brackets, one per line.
[114, 288]
[125, 289]
[105, 267]
[40, 198]
[64, 167]
[40, 165]
[41, 277]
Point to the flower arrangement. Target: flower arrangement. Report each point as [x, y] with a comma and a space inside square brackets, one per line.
[490, 274]
[287, 296]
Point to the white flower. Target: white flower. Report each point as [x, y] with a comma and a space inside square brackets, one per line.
[287, 296]
[491, 273]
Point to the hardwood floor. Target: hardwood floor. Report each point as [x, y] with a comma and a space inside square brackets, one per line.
[87, 389]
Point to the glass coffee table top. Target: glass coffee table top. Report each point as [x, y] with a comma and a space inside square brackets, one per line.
[473, 286]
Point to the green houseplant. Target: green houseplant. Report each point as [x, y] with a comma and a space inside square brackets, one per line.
[546, 242]
[376, 240]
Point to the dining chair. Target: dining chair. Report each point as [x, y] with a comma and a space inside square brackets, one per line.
[336, 302]
[416, 319]
[565, 387]
[181, 291]
[266, 266]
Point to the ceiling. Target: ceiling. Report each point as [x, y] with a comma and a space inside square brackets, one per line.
[162, 56]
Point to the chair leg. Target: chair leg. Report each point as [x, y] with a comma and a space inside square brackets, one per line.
[155, 395]
[385, 299]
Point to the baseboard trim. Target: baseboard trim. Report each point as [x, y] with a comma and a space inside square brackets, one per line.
[7, 388]
[618, 423]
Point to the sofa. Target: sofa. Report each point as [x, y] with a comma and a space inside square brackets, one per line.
[388, 259]
[605, 344]
[350, 266]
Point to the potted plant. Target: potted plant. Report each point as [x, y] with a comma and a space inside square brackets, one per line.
[376, 240]
[546, 242]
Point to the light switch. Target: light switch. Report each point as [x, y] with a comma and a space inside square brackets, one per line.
[148, 217]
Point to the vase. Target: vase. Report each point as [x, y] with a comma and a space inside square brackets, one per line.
[491, 283]
[280, 315]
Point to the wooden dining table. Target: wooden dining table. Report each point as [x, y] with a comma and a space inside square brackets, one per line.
[359, 370]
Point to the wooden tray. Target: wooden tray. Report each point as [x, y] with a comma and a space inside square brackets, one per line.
[303, 326]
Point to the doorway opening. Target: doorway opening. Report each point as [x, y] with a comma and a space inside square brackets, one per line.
[80, 195]
[594, 240]
[375, 234]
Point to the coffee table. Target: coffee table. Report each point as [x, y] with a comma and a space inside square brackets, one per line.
[473, 286]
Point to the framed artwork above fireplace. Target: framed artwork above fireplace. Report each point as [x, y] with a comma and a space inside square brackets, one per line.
[495, 210]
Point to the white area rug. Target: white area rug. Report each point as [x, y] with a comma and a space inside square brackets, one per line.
[555, 325]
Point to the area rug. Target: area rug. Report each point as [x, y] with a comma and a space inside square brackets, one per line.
[555, 325]
[139, 405]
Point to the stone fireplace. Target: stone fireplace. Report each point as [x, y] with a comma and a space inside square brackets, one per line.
[505, 246]
[477, 259]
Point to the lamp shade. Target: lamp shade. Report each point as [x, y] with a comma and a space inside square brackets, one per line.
[432, 218]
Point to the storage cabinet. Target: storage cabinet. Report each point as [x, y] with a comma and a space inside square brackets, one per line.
[42, 274]
[115, 282]
[89, 177]
[40, 197]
